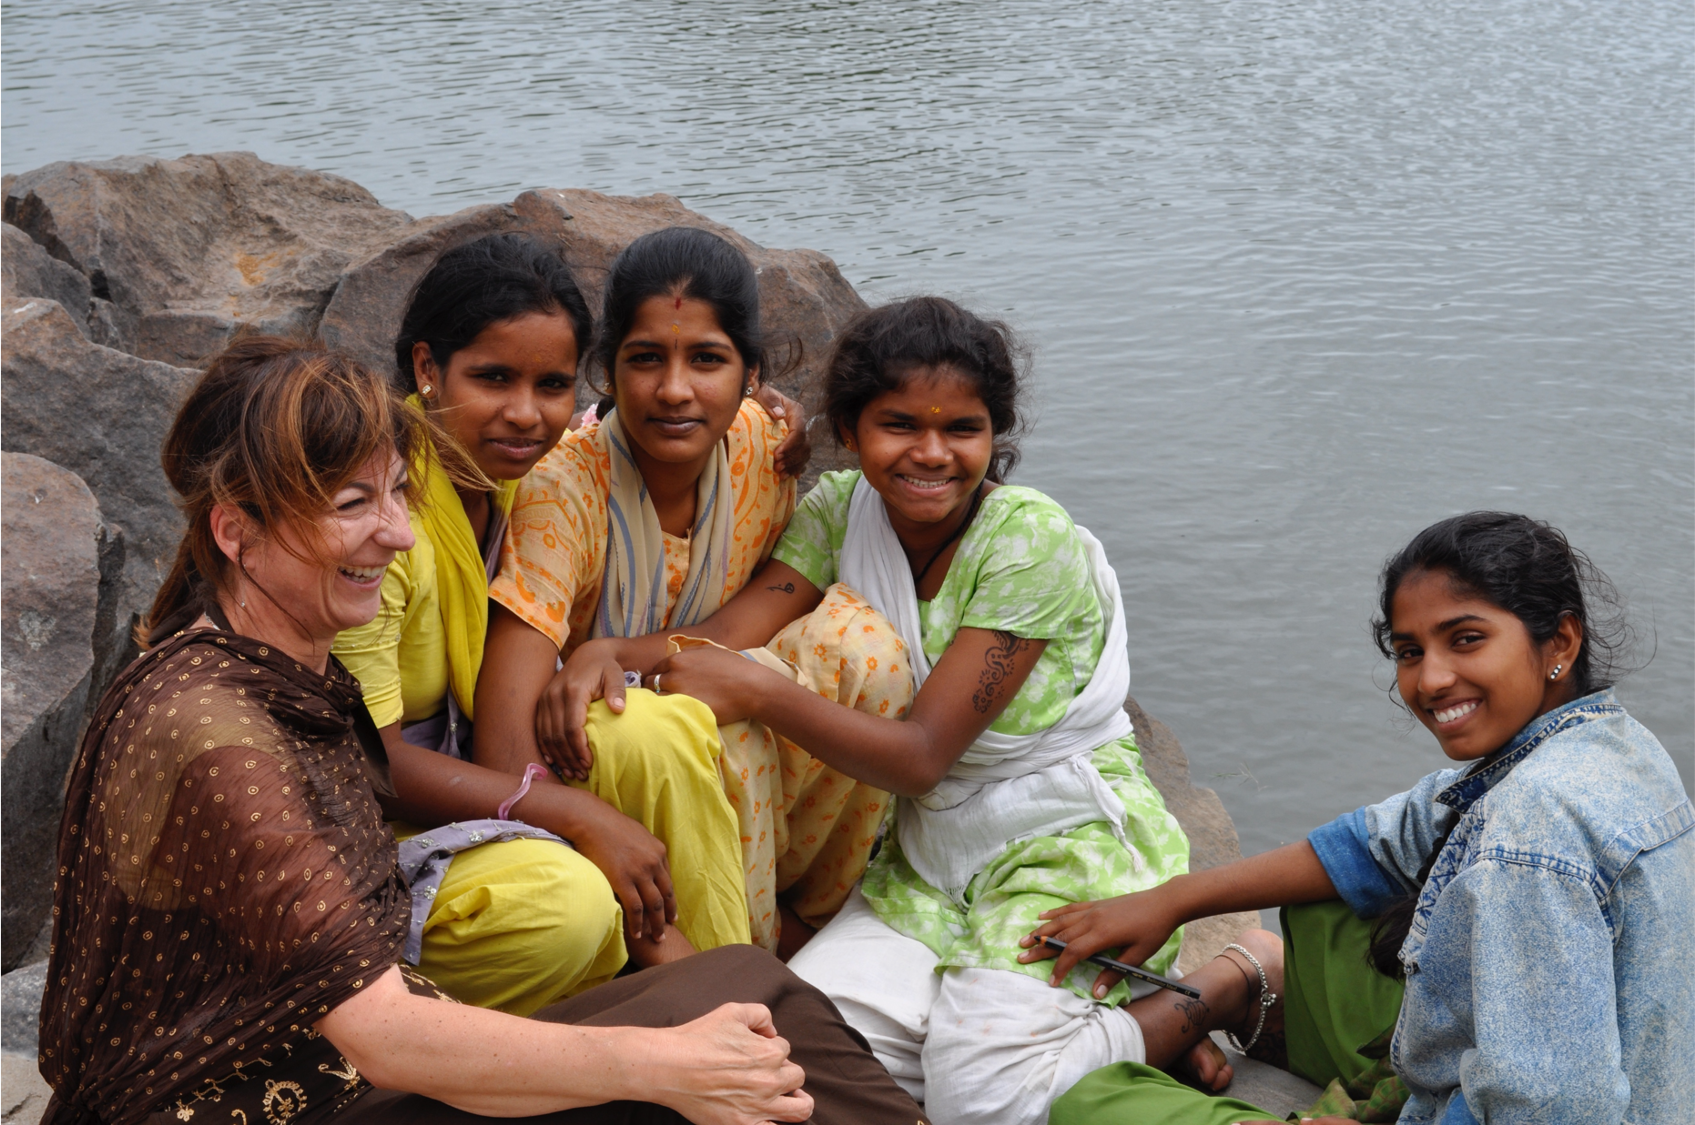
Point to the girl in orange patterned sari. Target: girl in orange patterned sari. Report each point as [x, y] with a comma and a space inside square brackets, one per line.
[648, 520]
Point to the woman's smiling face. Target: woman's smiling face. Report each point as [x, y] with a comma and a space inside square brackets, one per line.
[1469, 669]
[678, 380]
[508, 394]
[926, 446]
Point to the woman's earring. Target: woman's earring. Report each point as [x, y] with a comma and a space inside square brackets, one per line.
[1555, 674]
[426, 390]
[747, 392]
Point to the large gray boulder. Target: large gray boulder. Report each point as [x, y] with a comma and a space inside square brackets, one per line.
[188, 251]
[805, 300]
[26, 270]
[59, 557]
[103, 415]
[363, 315]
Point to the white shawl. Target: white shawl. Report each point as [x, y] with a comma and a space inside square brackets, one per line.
[1005, 787]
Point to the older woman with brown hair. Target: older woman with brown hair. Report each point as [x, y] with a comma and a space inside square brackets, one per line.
[229, 909]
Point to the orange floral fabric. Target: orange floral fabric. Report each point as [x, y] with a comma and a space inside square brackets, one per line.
[807, 829]
[554, 564]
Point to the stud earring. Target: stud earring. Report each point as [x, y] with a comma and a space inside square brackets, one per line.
[1555, 674]
[425, 390]
[747, 392]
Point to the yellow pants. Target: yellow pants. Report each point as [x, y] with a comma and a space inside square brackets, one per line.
[657, 763]
[807, 829]
[521, 924]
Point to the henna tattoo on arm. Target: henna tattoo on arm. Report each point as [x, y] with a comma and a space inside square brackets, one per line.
[998, 663]
[785, 588]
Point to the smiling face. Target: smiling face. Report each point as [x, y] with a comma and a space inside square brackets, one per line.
[678, 380]
[1469, 669]
[925, 447]
[295, 594]
[508, 394]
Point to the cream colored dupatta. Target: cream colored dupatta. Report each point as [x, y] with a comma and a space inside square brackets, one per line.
[633, 596]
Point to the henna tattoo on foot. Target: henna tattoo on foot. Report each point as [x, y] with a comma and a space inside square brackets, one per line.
[1195, 1013]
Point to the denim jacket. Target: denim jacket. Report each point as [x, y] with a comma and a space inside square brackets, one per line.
[1551, 962]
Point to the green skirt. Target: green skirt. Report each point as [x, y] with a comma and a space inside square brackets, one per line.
[1339, 1015]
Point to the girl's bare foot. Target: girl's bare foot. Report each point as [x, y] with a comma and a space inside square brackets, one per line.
[1207, 1066]
[1270, 1046]
[1205, 1063]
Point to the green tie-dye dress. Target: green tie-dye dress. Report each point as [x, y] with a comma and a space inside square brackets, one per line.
[1021, 569]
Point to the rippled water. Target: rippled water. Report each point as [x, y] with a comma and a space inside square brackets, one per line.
[1301, 278]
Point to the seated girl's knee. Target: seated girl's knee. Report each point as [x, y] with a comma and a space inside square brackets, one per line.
[651, 731]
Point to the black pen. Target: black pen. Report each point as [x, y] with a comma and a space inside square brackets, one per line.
[1106, 962]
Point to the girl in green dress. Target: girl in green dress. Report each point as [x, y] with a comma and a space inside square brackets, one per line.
[1019, 783]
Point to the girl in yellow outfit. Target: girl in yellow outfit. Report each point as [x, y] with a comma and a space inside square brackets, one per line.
[490, 347]
[648, 521]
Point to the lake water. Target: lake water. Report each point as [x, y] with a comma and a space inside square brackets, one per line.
[1301, 277]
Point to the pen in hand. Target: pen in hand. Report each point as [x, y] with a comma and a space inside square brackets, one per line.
[1132, 971]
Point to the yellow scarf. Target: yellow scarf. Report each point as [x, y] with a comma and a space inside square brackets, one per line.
[461, 571]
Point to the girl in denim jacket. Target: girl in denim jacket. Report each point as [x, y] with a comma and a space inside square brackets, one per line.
[1525, 923]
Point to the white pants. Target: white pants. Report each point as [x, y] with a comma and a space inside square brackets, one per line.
[985, 1046]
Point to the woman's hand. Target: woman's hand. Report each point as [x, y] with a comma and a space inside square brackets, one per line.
[1136, 925]
[725, 681]
[729, 1067]
[633, 861]
[562, 712]
[795, 449]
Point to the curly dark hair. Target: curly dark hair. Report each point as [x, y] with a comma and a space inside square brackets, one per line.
[883, 346]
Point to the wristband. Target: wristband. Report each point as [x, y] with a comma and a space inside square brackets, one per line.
[531, 772]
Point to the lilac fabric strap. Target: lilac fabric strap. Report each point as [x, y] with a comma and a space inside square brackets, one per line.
[531, 772]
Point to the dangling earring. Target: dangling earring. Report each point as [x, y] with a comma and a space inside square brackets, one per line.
[1555, 674]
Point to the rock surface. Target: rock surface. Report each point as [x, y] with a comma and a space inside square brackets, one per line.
[58, 555]
[28, 270]
[188, 251]
[804, 300]
[102, 414]
[23, 1092]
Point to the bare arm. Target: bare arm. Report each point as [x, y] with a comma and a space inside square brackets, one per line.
[776, 596]
[972, 684]
[518, 662]
[727, 1068]
[1138, 924]
[434, 789]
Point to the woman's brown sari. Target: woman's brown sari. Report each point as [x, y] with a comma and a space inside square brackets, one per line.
[225, 879]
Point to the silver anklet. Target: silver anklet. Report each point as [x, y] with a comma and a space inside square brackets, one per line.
[1267, 998]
